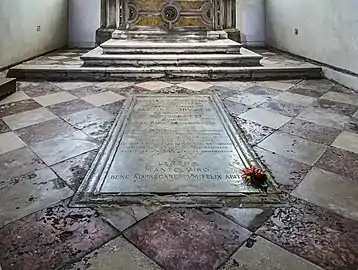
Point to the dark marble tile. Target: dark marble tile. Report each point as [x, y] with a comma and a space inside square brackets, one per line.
[234, 108]
[114, 107]
[70, 107]
[51, 238]
[3, 127]
[86, 91]
[19, 162]
[339, 161]
[73, 170]
[352, 126]
[179, 239]
[287, 173]
[261, 91]
[314, 132]
[315, 234]
[250, 218]
[282, 107]
[44, 131]
[43, 88]
[18, 107]
[335, 107]
[253, 132]
[316, 92]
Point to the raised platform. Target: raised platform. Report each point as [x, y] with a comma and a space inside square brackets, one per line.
[67, 65]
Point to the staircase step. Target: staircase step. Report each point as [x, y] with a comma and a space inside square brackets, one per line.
[97, 58]
[63, 72]
[115, 46]
[7, 87]
[157, 34]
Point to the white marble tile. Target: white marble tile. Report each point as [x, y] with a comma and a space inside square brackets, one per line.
[276, 85]
[64, 147]
[28, 118]
[55, 98]
[264, 255]
[324, 118]
[10, 141]
[293, 147]
[87, 118]
[17, 96]
[342, 98]
[249, 99]
[73, 85]
[347, 141]
[265, 118]
[330, 191]
[295, 98]
[29, 193]
[194, 85]
[116, 254]
[154, 85]
[103, 98]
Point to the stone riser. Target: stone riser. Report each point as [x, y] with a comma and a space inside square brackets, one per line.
[183, 50]
[142, 60]
[7, 87]
[27, 72]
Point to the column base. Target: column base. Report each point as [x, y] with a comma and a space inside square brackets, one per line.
[103, 34]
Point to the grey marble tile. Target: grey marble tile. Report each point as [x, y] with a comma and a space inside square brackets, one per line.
[265, 118]
[331, 191]
[293, 147]
[64, 147]
[29, 193]
[116, 254]
[258, 253]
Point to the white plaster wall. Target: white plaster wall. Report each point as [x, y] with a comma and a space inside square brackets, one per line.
[250, 18]
[328, 30]
[84, 20]
[19, 39]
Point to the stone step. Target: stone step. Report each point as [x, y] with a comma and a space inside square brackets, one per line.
[114, 46]
[61, 72]
[157, 34]
[7, 87]
[97, 58]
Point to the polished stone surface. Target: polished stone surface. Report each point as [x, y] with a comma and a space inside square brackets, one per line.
[262, 254]
[10, 141]
[250, 218]
[64, 147]
[324, 118]
[28, 118]
[330, 191]
[339, 161]
[315, 233]
[116, 254]
[347, 141]
[288, 173]
[55, 98]
[174, 144]
[293, 147]
[265, 118]
[183, 239]
[103, 98]
[29, 193]
[314, 132]
[324, 238]
[52, 237]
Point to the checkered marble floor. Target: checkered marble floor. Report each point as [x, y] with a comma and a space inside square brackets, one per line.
[306, 132]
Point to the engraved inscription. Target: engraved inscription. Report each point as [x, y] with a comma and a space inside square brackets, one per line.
[175, 144]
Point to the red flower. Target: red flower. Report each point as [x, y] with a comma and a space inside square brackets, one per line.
[255, 176]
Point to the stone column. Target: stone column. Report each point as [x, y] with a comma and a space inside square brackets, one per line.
[109, 20]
